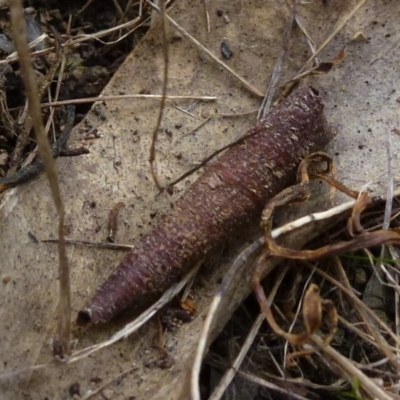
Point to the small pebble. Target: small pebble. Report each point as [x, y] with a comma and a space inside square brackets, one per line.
[75, 389]
[225, 50]
[107, 394]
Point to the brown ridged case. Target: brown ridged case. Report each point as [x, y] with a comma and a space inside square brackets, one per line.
[230, 193]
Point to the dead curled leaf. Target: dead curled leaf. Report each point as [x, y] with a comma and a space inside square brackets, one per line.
[362, 240]
[365, 240]
[322, 68]
[326, 67]
[312, 309]
[189, 305]
[313, 304]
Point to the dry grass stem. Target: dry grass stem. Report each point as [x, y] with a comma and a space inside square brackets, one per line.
[340, 25]
[190, 282]
[28, 75]
[152, 157]
[85, 6]
[231, 372]
[124, 97]
[390, 181]
[201, 124]
[310, 42]
[26, 121]
[104, 245]
[370, 314]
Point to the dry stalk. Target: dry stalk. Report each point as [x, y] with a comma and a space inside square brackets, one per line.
[124, 97]
[28, 75]
[152, 157]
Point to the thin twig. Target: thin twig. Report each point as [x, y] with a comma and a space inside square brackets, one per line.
[201, 124]
[360, 304]
[104, 245]
[126, 96]
[209, 158]
[263, 383]
[164, 93]
[27, 172]
[85, 6]
[28, 76]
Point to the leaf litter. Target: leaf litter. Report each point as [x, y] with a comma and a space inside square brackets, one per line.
[355, 385]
